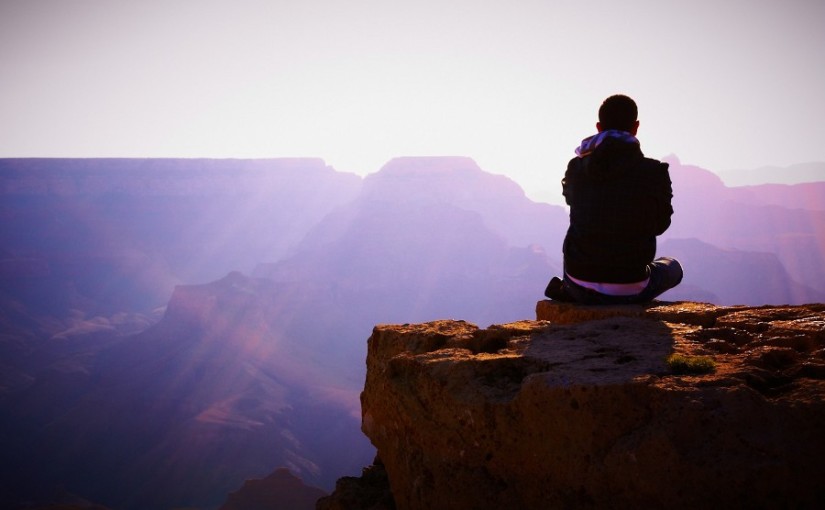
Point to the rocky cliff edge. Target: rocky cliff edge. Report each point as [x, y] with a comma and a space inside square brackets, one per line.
[586, 408]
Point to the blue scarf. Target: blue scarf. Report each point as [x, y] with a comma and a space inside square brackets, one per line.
[590, 143]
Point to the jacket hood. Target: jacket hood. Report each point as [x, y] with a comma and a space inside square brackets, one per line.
[611, 158]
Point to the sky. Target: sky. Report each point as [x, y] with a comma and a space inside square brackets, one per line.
[514, 84]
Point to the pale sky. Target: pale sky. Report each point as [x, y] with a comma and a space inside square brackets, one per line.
[514, 84]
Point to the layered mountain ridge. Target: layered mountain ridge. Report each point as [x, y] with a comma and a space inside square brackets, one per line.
[170, 328]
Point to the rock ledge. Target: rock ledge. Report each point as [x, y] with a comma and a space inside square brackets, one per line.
[580, 410]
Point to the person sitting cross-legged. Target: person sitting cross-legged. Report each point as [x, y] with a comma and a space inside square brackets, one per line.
[619, 202]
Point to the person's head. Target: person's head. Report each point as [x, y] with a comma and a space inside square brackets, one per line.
[618, 112]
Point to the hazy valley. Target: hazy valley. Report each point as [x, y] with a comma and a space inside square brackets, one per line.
[171, 328]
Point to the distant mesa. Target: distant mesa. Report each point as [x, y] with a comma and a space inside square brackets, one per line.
[793, 174]
[429, 165]
[281, 490]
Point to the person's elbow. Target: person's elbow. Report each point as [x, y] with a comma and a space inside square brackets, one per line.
[662, 227]
[663, 221]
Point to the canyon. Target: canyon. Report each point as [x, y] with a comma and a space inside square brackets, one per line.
[172, 328]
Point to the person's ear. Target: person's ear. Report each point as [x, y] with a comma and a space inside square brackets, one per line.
[635, 128]
[598, 127]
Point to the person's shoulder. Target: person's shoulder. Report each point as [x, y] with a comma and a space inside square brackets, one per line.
[656, 172]
[574, 163]
[655, 164]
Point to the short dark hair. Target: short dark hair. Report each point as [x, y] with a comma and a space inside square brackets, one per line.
[618, 112]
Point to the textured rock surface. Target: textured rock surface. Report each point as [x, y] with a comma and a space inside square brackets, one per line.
[580, 409]
[370, 491]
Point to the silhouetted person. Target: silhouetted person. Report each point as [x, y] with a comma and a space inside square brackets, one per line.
[619, 202]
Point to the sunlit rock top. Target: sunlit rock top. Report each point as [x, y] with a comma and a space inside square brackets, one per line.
[587, 408]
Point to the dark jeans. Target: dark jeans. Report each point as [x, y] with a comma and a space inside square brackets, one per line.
[665, 273]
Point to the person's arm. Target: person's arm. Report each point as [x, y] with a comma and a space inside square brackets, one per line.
[567, 182]
[664, 194]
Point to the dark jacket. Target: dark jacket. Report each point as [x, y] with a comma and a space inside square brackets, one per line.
[619, 202]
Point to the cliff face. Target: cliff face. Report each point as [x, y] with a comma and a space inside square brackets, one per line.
[580, 409]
